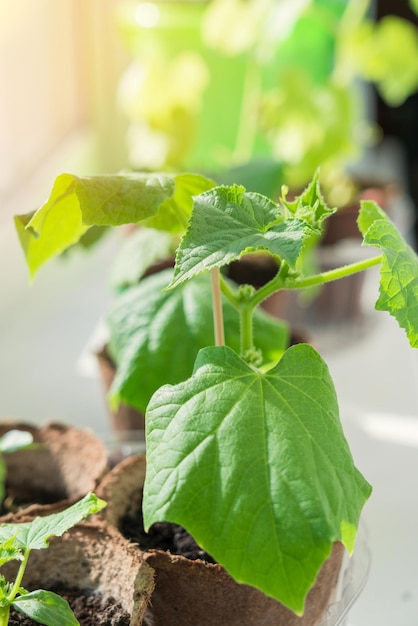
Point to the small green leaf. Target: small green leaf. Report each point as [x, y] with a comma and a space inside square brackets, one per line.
[156, 335]
[399, 269]
[228, 222]
[310, 205]
[76, 204]
[46, 607]
[256, 467]
[35, 534]
[9, 551]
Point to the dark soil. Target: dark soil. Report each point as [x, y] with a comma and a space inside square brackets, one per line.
[162, 536]
[12, 504]
[90, 610]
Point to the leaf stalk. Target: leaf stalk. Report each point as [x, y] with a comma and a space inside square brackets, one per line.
[4, 615]
[217, 308]
[19, 576]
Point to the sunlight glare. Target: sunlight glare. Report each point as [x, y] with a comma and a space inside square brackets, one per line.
[147, 15]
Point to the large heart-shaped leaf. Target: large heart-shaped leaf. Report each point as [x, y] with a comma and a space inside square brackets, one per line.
[256, 467]
[77, 203]
[228, 222]
[155, 335]
[399, 269]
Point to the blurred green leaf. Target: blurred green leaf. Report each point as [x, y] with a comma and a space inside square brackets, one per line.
[414, 5]
[138, 252]
[76, 204]
[263, 176]
[385, 53]
[155, 335]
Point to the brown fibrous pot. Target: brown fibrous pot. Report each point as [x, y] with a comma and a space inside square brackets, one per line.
[190, 592]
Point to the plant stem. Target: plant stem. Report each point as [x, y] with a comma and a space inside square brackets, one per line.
[217, 308]
[335, 274]
[276, 284]
[229, 292]
[4, 615]
[282, 281]
[285, 282]
[246, 328]
[18, 580]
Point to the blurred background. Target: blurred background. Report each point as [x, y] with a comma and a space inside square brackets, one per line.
[255, 91]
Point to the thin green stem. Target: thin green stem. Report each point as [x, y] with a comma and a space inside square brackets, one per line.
[335, 274]
[276, 284]
[282, 281]
[246, 328]
[230, 293]
[18, 580]
[4, 615]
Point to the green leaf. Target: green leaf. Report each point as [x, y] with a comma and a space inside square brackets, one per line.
[310, 205]
[9, 551]
[256, 467]
[310, 124]
[92, 236]
[138, 252]
[155, 335]
[399, 270]
[174, 213]
[35, 534]
[391, 58]
[228, 222]
[414, 5]
[263, 176]
[46, 607]
[76, 204]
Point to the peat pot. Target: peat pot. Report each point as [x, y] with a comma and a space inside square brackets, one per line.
[100, 573]
[65, 464]
[124, 419]
[194, 592]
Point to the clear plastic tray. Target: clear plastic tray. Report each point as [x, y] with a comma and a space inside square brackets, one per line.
[124, 444]
[353, 578]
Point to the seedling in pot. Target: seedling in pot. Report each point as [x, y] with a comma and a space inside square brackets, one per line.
[252, 460]
[16, 543]
[247, 454]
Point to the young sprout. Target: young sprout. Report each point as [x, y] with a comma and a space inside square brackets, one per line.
[16, 543]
